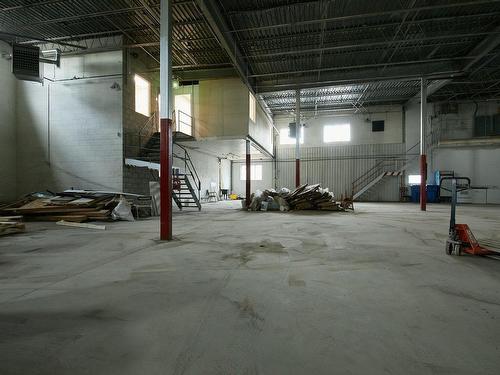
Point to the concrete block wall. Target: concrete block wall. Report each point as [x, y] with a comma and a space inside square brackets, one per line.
[7, 127]
[136, 62]
[69, 131]
[136, 179]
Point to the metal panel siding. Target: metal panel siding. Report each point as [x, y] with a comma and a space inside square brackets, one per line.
[336, 167]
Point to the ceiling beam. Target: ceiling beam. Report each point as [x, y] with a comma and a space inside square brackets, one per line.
[482, 49]
[393, 73]
[221, 30]
[367, 44]
[361, 66]
[365, 15]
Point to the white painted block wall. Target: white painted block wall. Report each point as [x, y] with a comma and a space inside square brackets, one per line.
[69, 133]
[7, 127]
[480, 163]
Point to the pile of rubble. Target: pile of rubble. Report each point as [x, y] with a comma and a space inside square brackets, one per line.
[305, 197]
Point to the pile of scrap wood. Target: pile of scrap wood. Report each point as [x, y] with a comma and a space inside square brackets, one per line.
[10, 225]
[69, 205]
[305, 197]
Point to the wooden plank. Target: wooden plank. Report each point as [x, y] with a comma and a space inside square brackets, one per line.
[72, 218]
[11, 228]
[81, 225]
[11, 218]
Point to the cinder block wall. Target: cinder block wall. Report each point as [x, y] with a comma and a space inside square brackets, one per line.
[69, 131]
[136, 179]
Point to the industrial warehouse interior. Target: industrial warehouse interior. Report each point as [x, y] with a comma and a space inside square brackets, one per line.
[249, 187]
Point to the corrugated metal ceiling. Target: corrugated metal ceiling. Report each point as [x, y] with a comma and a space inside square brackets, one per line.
[364, 52]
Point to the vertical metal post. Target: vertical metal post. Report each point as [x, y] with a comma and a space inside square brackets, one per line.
[166, 121]
[298, 129]
[423, 157]
[248, 174]
[453, 204]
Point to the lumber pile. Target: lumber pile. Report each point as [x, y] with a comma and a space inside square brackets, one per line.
[10, 225]
[70, 206]
[305, 197]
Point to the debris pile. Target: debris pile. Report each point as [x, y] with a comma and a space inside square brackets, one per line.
[72, 206]
[305, 197]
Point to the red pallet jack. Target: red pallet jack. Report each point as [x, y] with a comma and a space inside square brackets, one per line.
[461, 239]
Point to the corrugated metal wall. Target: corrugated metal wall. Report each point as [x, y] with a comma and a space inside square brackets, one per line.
[336, 167]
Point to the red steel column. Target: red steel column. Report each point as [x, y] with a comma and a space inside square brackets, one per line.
[423, 157]
[165, 121]
[166, 179]
[248, 174]
[298, 129]
[423, 182]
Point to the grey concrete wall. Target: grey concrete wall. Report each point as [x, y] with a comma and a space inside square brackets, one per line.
[7, 127]
[69, 132]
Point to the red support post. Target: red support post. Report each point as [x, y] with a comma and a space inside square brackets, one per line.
[423, 182]
[297, 172]
[248, 175]
[166, 179]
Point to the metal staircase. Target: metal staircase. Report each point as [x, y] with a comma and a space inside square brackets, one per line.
[186, 182]
[389, 167]
[393, 167]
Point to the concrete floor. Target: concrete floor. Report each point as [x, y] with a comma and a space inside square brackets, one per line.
[370, 292]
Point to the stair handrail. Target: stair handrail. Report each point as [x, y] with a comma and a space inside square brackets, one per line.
[189, 166]
[180, 121]
[379, 168]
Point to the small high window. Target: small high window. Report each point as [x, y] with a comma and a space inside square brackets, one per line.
[414, 179]
[252, 107]
[255, 172]
[142, 96]
[337, 133]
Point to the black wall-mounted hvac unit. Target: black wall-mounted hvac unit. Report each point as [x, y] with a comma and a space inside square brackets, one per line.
[26, 62]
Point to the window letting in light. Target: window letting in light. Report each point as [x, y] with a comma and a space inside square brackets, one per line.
[337, 133]
[252, 107]
[255, 172]
[285, 138]
[142, 96]
[414, 179]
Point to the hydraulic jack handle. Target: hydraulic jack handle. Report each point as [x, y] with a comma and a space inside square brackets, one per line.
[454, 190]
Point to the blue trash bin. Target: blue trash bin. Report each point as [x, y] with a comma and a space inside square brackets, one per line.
[415, 193]
[433, 193]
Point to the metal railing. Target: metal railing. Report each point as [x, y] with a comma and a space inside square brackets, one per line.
[149, 128]
[397, 164]
[380, 167]
[183, 123]
[189, 167]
